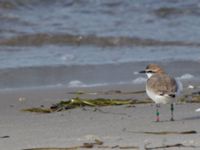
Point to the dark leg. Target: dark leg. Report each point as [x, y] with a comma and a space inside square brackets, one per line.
[172, 112]
[157, 113]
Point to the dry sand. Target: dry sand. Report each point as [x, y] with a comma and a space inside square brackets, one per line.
[114, 125]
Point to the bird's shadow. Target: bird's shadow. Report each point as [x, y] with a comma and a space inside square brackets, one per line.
[181, 119]
[191, 118]
[164, 121]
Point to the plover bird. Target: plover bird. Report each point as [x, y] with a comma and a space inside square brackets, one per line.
[161, 88]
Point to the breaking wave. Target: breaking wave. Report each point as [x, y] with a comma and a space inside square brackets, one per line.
[186, 76]
[77, 83]
[63, 39]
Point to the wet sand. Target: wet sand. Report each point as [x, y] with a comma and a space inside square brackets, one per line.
[115, 126]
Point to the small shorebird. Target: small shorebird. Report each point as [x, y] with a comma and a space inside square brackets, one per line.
[161, 88]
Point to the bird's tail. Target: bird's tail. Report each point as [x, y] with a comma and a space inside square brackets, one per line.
[197, 110]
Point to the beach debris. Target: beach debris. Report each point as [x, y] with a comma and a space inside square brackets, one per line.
[194, 97]
[178, 145]
[91, 137]
[92, 144]
[99, 102]
[78, 102]
[97, 144]
[166, 132]
[38, 110]
[48, 148]
[84, 145]
[77, 92]
[82, 92]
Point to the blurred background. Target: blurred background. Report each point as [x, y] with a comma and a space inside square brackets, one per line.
[96, 42]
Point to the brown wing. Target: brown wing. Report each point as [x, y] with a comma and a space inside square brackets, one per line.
[162, 84]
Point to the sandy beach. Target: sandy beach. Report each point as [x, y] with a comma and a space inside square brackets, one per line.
[95, 49]
[118, 127]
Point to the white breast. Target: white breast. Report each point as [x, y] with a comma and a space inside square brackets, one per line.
[159, 99]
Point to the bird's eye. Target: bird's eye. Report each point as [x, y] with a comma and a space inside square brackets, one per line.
[149, 71]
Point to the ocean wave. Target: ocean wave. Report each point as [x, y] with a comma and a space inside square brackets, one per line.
[81, 75]
[67, 57]
[186, 76]
[16, 4]
[40, 39]
[72, 76]
[139, 80]
[166, 12]
[77, 83]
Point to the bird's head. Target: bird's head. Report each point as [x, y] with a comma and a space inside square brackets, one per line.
[152, 69]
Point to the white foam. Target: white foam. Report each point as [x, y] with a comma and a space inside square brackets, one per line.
[190, 87]
[136, 73]
[139, 80]
[67, 57]
[198, 110]
[77, 83]
[186, 76]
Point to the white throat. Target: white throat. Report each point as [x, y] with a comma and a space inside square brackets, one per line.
[149, 75]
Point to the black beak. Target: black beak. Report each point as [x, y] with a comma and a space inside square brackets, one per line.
[143, 71]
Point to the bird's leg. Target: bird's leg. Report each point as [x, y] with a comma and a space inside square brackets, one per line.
[172, 112]
[157, 113]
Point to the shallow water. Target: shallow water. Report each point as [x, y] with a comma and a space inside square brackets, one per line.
[55, 42]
